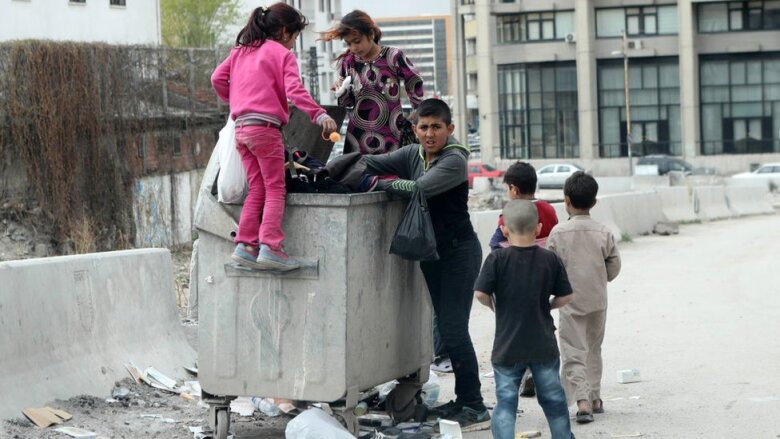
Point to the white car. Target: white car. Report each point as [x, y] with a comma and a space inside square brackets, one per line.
[763, 171]
[555, 175]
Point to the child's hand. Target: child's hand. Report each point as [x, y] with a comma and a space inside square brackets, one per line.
[328, 125]
[336, 85]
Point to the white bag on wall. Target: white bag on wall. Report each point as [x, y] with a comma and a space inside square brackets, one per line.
[231, 182]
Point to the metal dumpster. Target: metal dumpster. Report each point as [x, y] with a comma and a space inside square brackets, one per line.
[352, 318]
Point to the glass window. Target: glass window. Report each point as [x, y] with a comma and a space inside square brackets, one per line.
[564, 24]
[772, 15]
[735, 19]
[713, 17]
[632, 24]
[667, 20]
[610, 22]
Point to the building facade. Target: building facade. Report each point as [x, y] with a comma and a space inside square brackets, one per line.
[107, 21]
[703, 79]
[426, 40]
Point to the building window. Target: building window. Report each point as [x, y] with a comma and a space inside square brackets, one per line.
[78, 1]
[740, 104]
[118, 2]
[538, 110]
[537, 26]
[654, 92]
[647, 20]
[738, 16]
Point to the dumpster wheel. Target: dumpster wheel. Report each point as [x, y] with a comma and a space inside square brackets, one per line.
[223, 424]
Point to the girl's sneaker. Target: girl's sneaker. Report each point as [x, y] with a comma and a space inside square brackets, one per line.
[278, 260]
[246, 255]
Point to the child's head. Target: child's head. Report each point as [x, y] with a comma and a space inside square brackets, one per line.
[580, 191]
[520, 179]
[279, 22]
[521, 218]
[358, 31]
[434, 125]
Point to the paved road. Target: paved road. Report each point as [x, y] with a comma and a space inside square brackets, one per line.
[699, 315]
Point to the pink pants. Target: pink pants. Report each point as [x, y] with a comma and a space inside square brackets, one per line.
[262, 153]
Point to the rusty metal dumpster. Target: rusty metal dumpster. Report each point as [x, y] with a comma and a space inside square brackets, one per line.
[351, 318]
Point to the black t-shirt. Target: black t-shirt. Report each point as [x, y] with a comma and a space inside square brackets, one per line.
[521, 280]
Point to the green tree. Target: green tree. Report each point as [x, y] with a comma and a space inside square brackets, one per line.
[197, 23]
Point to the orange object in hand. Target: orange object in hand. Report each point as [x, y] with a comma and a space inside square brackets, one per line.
[334, 137]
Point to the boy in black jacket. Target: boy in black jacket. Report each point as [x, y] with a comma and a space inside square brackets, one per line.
[438, 166]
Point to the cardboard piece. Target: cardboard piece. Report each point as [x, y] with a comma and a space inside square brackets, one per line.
[46, 416]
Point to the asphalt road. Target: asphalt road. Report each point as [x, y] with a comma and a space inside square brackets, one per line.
[698, 314]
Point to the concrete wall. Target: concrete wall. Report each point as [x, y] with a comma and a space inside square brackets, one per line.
[69, 324]
[163, 207]
[93, 21]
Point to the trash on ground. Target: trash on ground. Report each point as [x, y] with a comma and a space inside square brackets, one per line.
[315, 424]
[430, 390]
[120, 393]
[634, 397]
[628, 435]
[203, 433]
[267, 406]
[626, 376]
[77, 432]
[528, 434]
[243, 406]
[191, 369]
[160, 417]
[490, 374]
[450, 429]
[286, 406]
[46, 416]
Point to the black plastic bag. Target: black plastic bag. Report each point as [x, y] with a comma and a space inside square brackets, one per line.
[414, 238]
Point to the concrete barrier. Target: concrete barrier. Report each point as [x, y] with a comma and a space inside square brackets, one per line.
[749, 200]
[710, 203]
[485, 223]
[69, 324]
[483, 184]
[614, 185]
[649, 182]
[634, 213]
[676, 203]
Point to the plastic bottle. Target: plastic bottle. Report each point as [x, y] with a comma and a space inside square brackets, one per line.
[267, 406]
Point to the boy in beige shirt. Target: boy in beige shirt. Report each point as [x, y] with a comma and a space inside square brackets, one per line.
[590, 255]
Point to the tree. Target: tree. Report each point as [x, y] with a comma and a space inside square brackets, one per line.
[197, 23]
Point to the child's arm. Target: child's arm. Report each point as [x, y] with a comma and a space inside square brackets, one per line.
[220, 80]
[345, 71]
[299, 96]
[485, 299]
[613, 258]
[392, 163]
[413, 82]
[497, 238]
[559, 301]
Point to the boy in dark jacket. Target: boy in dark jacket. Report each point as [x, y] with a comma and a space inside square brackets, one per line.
[438, 167]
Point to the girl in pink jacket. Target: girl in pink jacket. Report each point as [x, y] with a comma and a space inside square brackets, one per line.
[258, 78]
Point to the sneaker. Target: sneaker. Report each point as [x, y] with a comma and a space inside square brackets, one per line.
[471, 419]
[278, 260]
[246, 256]
[527, 388]
[368, 183]
[443, 366]
[446, 410]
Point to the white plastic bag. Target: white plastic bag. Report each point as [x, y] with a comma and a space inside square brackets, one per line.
[315, 424]
[231, 182]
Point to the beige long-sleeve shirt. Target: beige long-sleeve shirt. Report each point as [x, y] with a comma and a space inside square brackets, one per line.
[590, 255]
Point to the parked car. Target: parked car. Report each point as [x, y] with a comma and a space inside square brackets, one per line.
[555, 175]
[668, 163]
[479, 169]
[763, 171]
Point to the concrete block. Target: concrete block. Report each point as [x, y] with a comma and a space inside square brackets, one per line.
[485, 223]
[69, 324]
[649, 182]
[710, 203]
[614, 185]
[666, 229]
[749, 200]
[482, 184]
[676, 203]
[152, 212]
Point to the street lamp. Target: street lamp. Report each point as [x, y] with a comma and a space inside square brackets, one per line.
[624, 52]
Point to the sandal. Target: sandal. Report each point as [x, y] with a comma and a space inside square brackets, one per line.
[600, 408]
[584, 417]
[443, 366]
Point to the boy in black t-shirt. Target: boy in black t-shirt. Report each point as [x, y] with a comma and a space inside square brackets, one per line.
[516, 283]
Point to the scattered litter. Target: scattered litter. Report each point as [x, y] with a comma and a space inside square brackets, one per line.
[528, 434]
[267, 406]
[490, 374]
[628, 435]
[77, 432]
[765, 399]
[191, 387]
[191, 369]
[243, 406]
[315, 423]
[634, 397]
[626, 376]
[160, 417]
[135, 372]
[450, 429]
[120, 393]
[375, 420]
[111, 401]
[286, 406]
[430, 390]
[615, 399]
[46, 416]
[202, 433]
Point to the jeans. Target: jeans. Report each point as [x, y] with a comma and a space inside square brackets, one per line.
[262, 154]
[450, 282]
[549, 393]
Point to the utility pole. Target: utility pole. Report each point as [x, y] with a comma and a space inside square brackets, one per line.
[629, 140]
[314, 75]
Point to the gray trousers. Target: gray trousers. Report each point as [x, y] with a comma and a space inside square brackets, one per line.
[580, 344]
